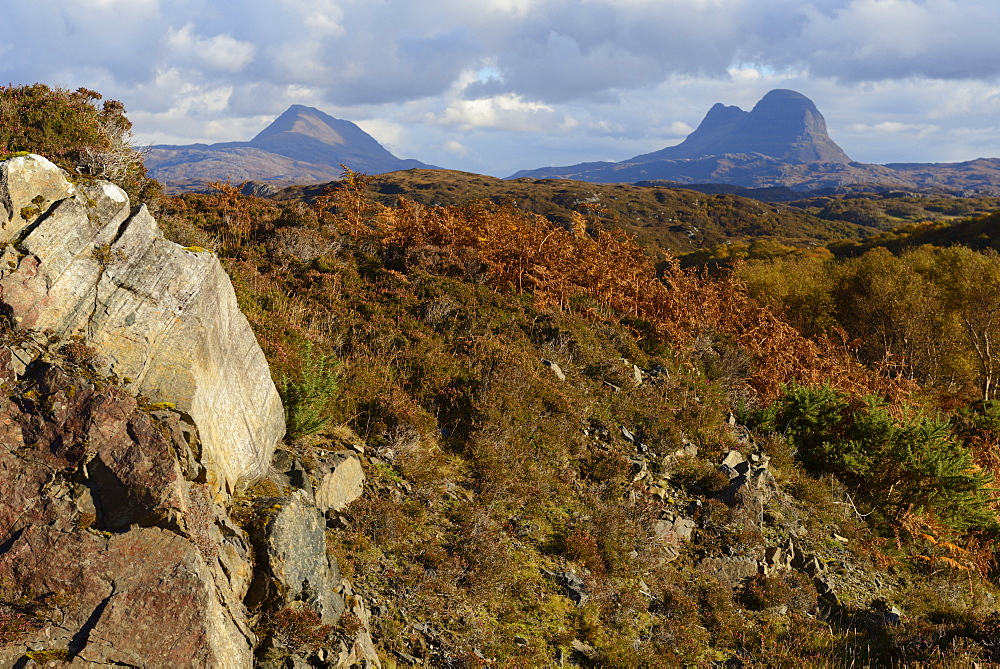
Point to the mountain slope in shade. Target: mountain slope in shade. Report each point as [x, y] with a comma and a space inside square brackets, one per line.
[303, 145]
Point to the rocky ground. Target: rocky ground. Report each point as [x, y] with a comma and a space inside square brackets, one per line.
[136, 404]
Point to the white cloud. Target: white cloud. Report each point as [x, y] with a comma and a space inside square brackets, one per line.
[500, 112]
[893, 127]
[558, 80]
[389, 134]
[220, 52]
[456, 148]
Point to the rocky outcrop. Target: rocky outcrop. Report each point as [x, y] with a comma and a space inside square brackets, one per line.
[113, 553]
[135, 399]
[125, 560]
[293, 565]
[78, 262]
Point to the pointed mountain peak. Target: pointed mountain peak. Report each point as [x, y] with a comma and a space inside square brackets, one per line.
[307, 134]
[310, 122]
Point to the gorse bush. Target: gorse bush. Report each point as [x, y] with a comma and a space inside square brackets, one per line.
[902, 465]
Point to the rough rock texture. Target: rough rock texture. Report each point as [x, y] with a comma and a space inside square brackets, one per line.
[137, 565]
[293, 565]
[361, 651]
[341, 481]
[133, 396]
[163, 316]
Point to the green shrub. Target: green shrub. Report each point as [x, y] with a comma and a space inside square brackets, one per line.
[72, 130]
[791, 589]
[306, 398]
[907, 464]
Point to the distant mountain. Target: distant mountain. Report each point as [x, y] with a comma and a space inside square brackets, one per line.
[785, 125]
[782, 142]
[303, 145]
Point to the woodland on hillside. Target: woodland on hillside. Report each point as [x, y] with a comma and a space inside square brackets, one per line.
[555, 427]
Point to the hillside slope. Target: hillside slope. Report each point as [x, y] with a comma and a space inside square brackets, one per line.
[664, 220]
[571, 462]
[511, 442]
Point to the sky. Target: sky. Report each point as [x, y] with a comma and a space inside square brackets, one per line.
[495, 86]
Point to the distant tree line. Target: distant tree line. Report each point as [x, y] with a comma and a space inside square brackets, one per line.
[932, 313]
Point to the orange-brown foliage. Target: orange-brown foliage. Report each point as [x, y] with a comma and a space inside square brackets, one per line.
[526, 253]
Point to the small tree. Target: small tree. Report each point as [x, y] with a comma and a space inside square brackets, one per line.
[901, 465]
[306, 397]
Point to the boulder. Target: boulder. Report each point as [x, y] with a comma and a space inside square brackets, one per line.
[574, 586]
[556, 369]
[730, 570]
[162, 317]
[341, 481]
[733, 459]
[673, 531]
[292, 562]
[28, 186]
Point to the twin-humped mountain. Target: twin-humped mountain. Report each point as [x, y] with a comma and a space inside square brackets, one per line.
[303, 145]
[781, 143]
[785, 125]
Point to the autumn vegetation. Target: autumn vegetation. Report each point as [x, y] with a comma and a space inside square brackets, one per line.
[77, 131]
[867, 379]
[487, 472]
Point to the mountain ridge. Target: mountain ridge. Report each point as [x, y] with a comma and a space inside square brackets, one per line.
[782, 142]
[784, 125]
[302, 145]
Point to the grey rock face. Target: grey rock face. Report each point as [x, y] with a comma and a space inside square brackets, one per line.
[783, 124]
[292, 563]
[161, 315]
